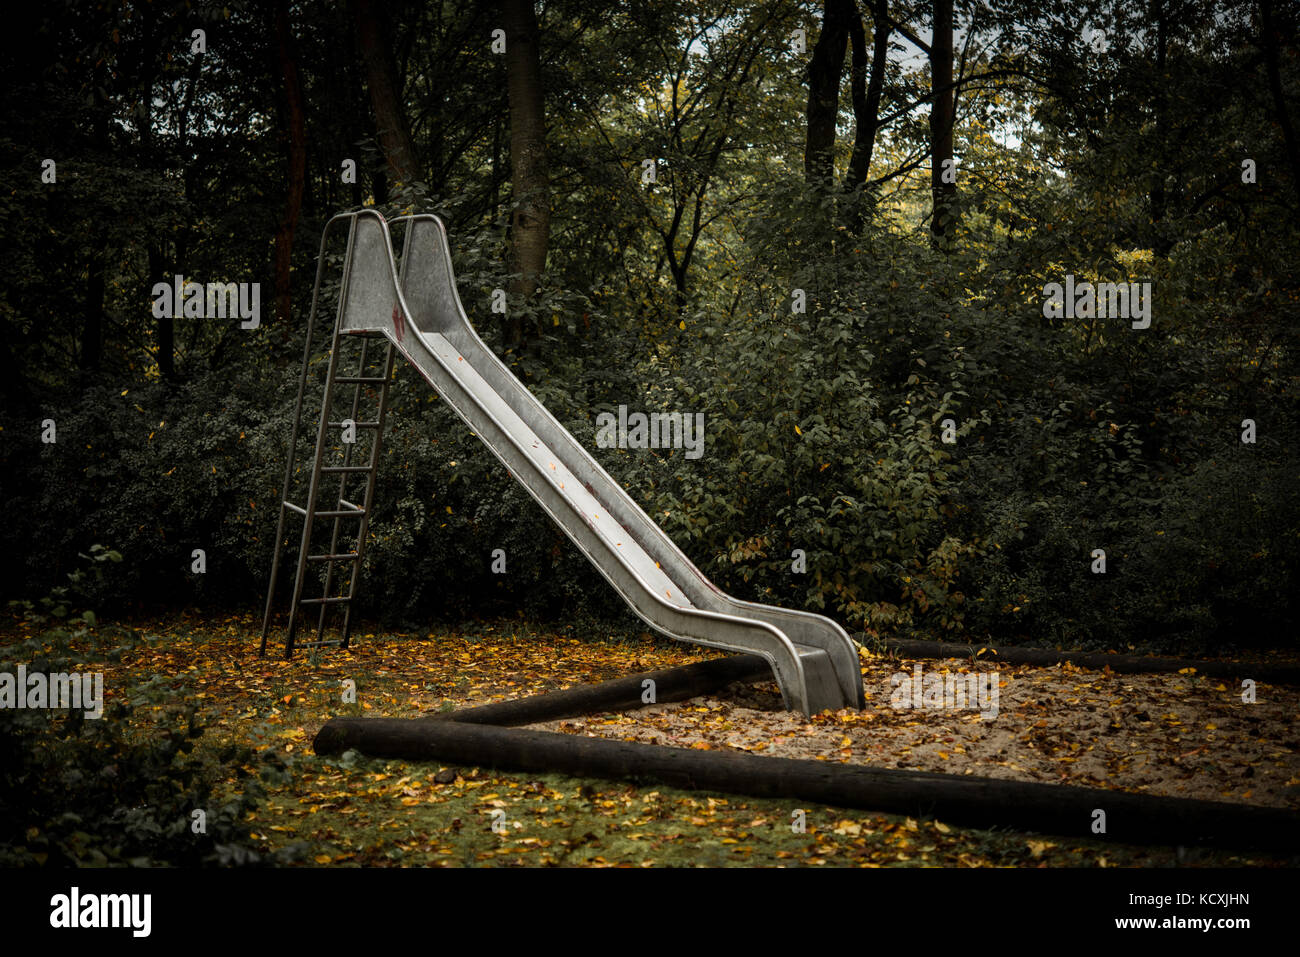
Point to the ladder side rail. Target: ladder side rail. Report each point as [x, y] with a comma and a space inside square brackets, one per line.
[314, 487]
[373, 465]
[343, 487]
[369, 499]
[296, 428]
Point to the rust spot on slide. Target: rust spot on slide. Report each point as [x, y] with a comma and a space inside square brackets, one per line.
[398, 323]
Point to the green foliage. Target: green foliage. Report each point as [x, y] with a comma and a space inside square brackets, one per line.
[824, 428]
[119, 789]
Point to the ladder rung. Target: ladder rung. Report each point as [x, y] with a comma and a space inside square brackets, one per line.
[361, 379]
[331, 513]
[324, 601]
[359, 425]
[318, 644]
[336, 469]
[331, 558]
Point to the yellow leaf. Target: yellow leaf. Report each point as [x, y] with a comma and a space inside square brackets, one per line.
[682, 324]
[798, 431]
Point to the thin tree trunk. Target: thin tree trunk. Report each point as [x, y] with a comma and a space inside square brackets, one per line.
[13, 384]
[866, 101]
[618, 694]
[1269, 40]
[1093, 661]
[497, 178]
[297, 163]
[166, 354]
[943, 193]
[385, 92]
[92, 334]
[167, 348]
[530, 221]
[1159, 202]
[345, 86]
[148, 158]
[824, 73]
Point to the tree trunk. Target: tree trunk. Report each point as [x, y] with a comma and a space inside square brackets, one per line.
[530, 220]
[620, 694]
[1159, 201]
[295, 112]
[1094, 661]
[148, 158]
[943, 193]
[866, 102]
[1269, 40]
[166, 354]
[13, 384]
[962, 799]
[92, 333]
[498, 177]
[824, 73]
[385, 92]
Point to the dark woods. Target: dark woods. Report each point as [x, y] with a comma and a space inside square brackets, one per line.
[990, 308]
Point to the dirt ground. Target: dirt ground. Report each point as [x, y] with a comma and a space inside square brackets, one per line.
[1178, 735]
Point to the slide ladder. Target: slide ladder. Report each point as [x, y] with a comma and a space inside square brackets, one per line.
[417, 310]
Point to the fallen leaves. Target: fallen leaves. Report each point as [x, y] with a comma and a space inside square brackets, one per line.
[1082, 727]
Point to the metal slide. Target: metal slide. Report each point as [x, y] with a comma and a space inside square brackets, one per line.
[420, 313]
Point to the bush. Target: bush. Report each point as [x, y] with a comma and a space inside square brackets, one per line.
[825, 434]
[120, 789]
